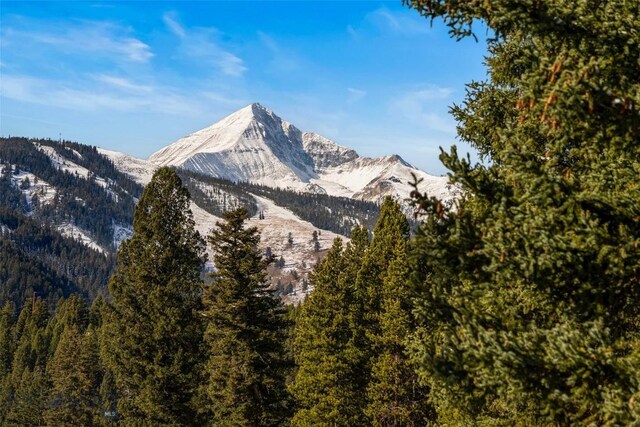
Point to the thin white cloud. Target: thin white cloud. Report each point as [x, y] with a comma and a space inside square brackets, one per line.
[202, 44]
[426, 106]
[99, 38]
[123, 83]
[170, 20]
[91, 98]
[355, 94]
[282, 60]
[402, 23]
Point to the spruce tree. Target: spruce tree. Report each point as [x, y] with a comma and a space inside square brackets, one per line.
[152, 333]
[29, 384]
[6, 340]
[527, 289]
[327, 383]
[73, 372]
[6, 355]
[245, 334]
[395, 397]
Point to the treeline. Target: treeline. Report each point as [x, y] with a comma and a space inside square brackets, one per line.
[78, 201]
[88, 157]
[216, 195]
[165, 349]
[336, 214]
[36, 260]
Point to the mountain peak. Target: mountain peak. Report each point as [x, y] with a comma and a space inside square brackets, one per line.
[253, 144]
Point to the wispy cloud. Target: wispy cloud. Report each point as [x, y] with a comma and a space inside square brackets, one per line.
[116, 94]
[401, 23]
[425, 106]
[100, 38]
[202, 44]
[354, 94]
[171, 21]
[123, 83]
[282, 60]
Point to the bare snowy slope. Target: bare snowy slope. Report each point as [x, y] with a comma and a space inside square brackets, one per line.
[255, 145]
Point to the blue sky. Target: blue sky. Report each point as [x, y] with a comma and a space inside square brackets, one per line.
[136, 76]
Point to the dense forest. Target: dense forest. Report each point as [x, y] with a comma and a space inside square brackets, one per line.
[516, 306]
[36, 258]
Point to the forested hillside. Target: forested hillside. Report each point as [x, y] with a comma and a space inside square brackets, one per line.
[82, 188]
[337, 214]
[38, 261]
[48, 214]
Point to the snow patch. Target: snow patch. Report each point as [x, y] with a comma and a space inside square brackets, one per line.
[140, 170]
[76, 233]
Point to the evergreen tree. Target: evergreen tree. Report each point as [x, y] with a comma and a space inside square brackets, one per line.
[6, 341]
[245, 334]
[152, 334]
[395, 398]
[28, 391]
[527, 290]
[6, 355]
[326, 383]
[73, 373]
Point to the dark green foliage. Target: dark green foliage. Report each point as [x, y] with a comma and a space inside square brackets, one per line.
[245, 335]
[36, 258]
[528, 289]
[326, 385]
[350, 341]
[54, 369]
[26, 387]
[151, 333]
[73, 372]
[394, 396]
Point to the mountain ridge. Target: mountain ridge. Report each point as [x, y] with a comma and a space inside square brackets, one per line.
[255, 145]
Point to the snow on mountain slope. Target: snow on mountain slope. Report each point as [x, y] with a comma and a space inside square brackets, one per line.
[140, 170]
[62, 163]
[69, 230]
[33, 187]
[253, 144]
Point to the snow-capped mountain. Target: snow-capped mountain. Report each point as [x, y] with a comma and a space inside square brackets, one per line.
[255, 145]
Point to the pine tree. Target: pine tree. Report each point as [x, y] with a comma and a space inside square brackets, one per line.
[73, 372]
[395, 397]
[29, 385]
[6, 355]
[527, 289]
[6, 341]
[152, 334]
[245, 334]
[326, 383]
